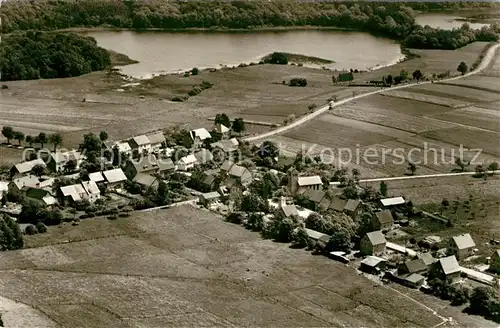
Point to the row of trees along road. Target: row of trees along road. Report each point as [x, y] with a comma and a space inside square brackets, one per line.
[42, 138]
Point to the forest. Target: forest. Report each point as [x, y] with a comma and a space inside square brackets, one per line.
[34, 55]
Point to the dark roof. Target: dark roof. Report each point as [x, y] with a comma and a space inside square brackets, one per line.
[226, 166]
[314, 195]
[208, 179]
[384, 216]
[166, 165]
[289, 210]
[414, 266]
[146, 180]
[338, 204]
[427, 258]
[351, 205]
[36, 193]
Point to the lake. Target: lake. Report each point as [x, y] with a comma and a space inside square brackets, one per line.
[167, 52]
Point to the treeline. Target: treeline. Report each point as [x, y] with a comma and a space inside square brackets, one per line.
[34, 55]
[431, 38]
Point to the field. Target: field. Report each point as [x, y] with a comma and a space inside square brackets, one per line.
[430, 125]
[124, 108]
[187, 267]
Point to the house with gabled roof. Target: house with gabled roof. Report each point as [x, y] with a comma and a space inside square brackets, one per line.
[187, 162]
[392, 202]
[59, 160]
[146, 180]
[447, 268]
[337, 204]
[140, 143]
[198, 137]
[299, 184]
[97, 177]
[39, 196]
[353, 208]
[156, 140]
[314, 198]
[16, 186]
[373, 243]
[227, 146]
[115, 178]
[73, 193]
[462, 246]
[413, 266]
[24, 168]
[428, 259]
[93, 192]
[382, 220]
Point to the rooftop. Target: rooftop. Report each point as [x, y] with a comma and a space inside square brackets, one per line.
[427, 258]
[384, 216]
[73, 191]
[464, 241]
[449, 265]
[115, 175]
[29, 181]
[226, 166]
[338, 204]
[351, 205]
[289, 210]
[314, 195]
[141, 140]
[221, 128]
[145, 179]
[414, 278]
[62, 157]
[211, 195]
[189, 159]
[156, 138]
[96, 177]
[26, 167]
[415, 265]
[309, 181]
[90, 187]
[372, 261]
[393, 201]
[204, 156]
[123, 146]
[376, 237]
[201, 133]
[238, 171]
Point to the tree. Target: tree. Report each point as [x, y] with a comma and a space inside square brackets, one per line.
[253, 203]
[91, 143]
[269, 149]
[103, 136]
[8, 132]
[389, 79]
[255, 221]
[355, 175]
[278, 58]
[56, 140]
[30, 230]
[222, 119]
[334, 79]
[298, 82]
[300, 237]
[365, 224]
[238, 125]
[19, 136]
[412, 167]
[30, 140]
[41, 227]
[70, 165]
[462, 68]
[41, 139]
[493, 166]
[340, 240]
[403, 75]
[38, 170]
[479, 170]
[195, 71]
[460, 164]
[383, 189]
[480, 300]
[417, 75]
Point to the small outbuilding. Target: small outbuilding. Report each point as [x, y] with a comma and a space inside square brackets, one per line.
[382, 220]
[412, 266]
[373, 264]
[462, 246]
[209, 198]
[373, 243]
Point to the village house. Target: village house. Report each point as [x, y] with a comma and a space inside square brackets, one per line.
[197, 137]
[382, 220]
[97, 177]
[221, 129]
[157, 141]
[337, 204]
[146, 180]
[298, 184]
[93, 192]
[203, 156]
[447, 268]
[373, 243]
[413, 266]
[59, 160]
[353, 208]
[187, 162]
[148, 165]
[462, 246]
[414, 280]
[4, 188]
[23, 169]
[123, 148]
[240, 174]
[73, 193]
[495, 261]
[209, 180]
[115, 178]
[289, 210]
[210, 198]
[140, 144]
[314, 198]
[16, 185]
[428, 259]
[227, 146]
[39, 196]
[226, 166]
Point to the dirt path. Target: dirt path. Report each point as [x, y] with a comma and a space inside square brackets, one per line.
[19, 315]
[484, 64]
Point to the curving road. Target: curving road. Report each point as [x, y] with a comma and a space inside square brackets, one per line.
[490, 54]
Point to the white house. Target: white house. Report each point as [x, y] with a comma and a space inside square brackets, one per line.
[59, 160]
[115, 178]
[157, 140]
[140, 143]
[73, 193]
[187, 162]
[24, 168]
[124, 148]
[93, 192]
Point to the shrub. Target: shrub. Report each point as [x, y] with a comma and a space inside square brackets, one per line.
[41, 228]
[206, 85]
[124, 215]
[5, 86]
[30, 230]
[278, 58]
[298, 82]
[195, 71]
[180, 98]
[112, 217]
[194, 91]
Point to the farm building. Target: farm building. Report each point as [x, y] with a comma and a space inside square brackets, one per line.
[59, 160]
[392, 202]
[314, 198]
[39, 196]
[495, 262]
[146, 180]
[209, 180]
[93, 192]
[412, 266]
[204, 156]
[414, 280]
[373, 264]
[353, 208]
[447, 268]
[462, 246]
[382, 220]
[240, 174]
[221, 129]
[23, 169]
[156, 140]
[197, 137]
[115, 178]
[209, 198]
[140, 143]
[187, 162]
[17, 185]
[227, 146]
[373, 243]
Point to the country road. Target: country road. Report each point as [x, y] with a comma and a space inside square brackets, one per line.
[484, 63]
[409, 177]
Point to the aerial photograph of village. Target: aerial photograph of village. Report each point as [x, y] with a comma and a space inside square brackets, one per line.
[249, 163]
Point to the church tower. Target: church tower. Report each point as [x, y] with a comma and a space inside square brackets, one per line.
[293, 180]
